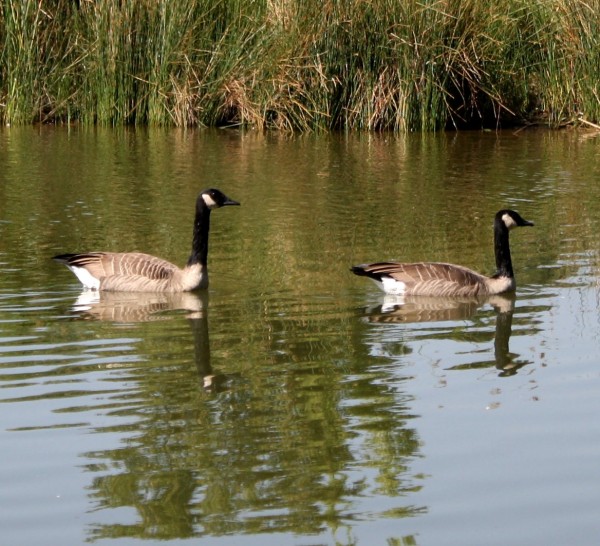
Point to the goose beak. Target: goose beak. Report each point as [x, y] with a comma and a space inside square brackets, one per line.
[527, 223]
[231, 202]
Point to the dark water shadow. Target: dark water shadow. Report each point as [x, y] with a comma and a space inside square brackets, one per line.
[418, 309]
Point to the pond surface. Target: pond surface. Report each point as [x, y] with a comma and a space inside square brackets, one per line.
[293, 403]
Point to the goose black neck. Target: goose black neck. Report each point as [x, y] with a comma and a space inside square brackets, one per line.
[502, 249]
[199, 253]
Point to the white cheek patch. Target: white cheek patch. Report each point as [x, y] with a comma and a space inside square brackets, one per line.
[84, 276]
[508, 221]
[392, 286]
[210, 202]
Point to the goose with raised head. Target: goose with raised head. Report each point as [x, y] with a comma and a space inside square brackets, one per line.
[137, 272]
[448, 280]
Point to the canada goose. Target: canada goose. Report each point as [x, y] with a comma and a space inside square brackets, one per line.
[441, 279]
[137, 272]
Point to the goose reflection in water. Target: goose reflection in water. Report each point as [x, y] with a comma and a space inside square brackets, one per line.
[132, 307]
[419, 309]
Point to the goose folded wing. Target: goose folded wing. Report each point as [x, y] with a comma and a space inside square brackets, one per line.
[109, 264]
[428, 278]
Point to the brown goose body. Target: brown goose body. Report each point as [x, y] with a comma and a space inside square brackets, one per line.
[139, 272]
[449, 280]
[133, 272]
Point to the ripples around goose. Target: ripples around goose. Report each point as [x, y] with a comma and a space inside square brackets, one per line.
[67, 364]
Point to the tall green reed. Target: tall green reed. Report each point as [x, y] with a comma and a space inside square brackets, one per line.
[300, 65]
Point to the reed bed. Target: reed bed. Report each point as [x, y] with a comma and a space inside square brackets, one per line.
[300, 65]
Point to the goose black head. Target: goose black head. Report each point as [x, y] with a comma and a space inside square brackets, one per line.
[213, 199]
[511, 219]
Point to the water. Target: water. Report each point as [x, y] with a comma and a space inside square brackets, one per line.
[294, 403]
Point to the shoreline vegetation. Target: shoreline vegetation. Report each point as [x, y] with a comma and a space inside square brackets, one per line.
[301, 65]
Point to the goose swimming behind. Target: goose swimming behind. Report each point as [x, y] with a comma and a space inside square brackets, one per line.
[137, 272]
[448, 280]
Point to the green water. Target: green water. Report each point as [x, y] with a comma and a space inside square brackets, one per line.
[293, 403]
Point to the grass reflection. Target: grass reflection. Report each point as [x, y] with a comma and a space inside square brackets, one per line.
[256, 448]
